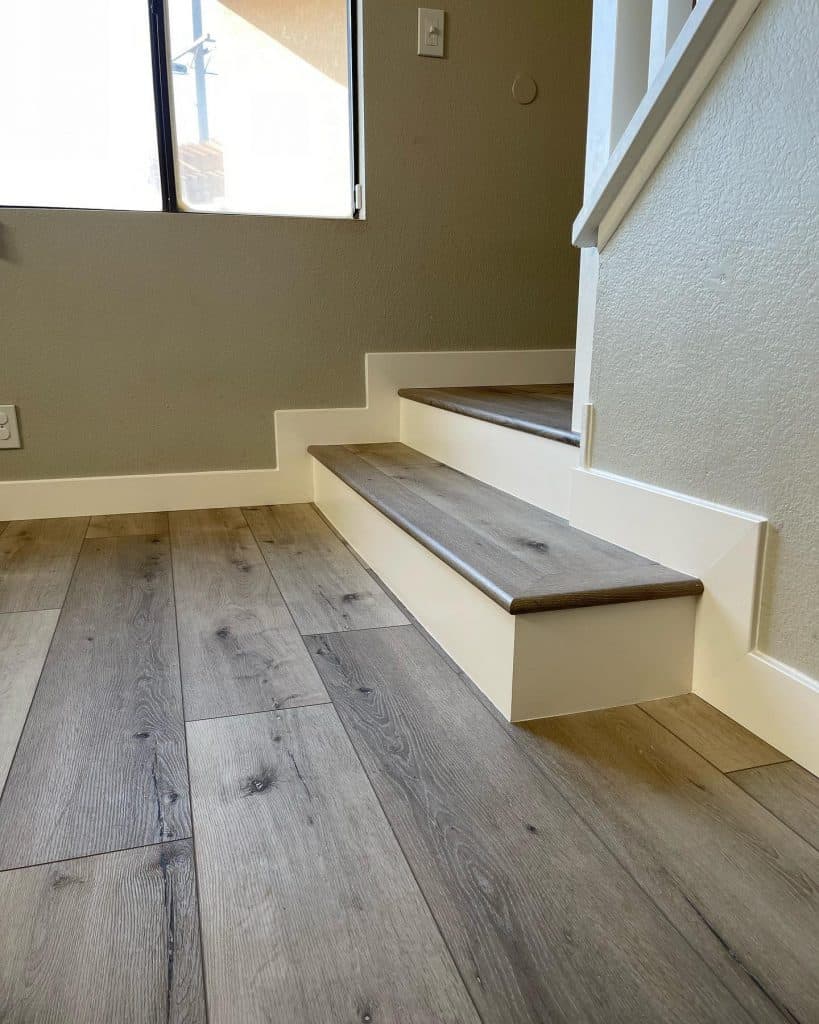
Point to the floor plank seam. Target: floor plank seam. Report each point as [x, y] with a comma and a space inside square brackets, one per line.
[773, 814]
[116, 536]
[98, 853]
[45, 662]
[361, 629]
[261, 711]
[676, 736]
[194, 863]
[26, 611]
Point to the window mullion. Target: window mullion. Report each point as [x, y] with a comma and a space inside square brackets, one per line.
[162, 102]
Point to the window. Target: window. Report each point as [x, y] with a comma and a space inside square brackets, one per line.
[241, 106]
[77, 105]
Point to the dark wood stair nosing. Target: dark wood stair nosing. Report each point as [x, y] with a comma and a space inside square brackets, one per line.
[514, 604]
[463, 408]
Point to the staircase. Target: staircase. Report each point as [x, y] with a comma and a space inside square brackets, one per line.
[464, 519]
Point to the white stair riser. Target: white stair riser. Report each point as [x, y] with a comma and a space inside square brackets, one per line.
[535, 469]
[529, 666]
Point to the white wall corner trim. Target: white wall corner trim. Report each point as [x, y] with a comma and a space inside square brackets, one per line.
[295, 429]
[725, 548]
[702, 45]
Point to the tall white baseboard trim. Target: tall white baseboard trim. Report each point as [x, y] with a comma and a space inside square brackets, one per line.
[725, 549]
[291, 480]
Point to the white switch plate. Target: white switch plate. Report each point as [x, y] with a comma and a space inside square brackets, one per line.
[9, 431]
[431, 32]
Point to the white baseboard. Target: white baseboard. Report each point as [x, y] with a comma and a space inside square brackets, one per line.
[529, 666]
[291, 480]
[725, 549]
[111, 495]
[535, 469]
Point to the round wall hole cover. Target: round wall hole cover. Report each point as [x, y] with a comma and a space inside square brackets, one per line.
[524, 89]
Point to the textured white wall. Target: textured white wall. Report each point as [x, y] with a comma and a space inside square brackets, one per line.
[706, 346]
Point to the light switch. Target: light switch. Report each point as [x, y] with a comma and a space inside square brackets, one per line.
[431, 32]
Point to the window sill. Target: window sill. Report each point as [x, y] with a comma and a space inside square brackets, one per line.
[184, 213]
[704, 42]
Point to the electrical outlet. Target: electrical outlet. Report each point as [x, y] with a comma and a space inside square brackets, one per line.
[9, 431]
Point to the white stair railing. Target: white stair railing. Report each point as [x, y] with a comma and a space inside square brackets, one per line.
[651, 60]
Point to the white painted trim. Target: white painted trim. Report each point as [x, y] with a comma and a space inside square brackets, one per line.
[292, 481]
[667, 20]
[725, 548]
[587, 436]
[584, 340]
[605, 656]
[529, 666]
[703, 43]
[110, 495]
[535, 469]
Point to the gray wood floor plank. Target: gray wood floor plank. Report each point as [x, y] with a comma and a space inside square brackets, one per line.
[789, 792]
[541, 919]
[129, 525]
[309, 911]
[3, 526]
[24, 641]
[37, 557]
[101, 762]
[718, 738]
[112, 939]
[240, 650]
[523, 558]
[324, 586]
[736, 882]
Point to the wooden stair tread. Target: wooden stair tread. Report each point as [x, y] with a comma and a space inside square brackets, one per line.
[524, 558]
[541, 409]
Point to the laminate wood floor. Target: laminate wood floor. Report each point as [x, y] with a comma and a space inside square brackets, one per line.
[324, 586]
[102, 939]
[292, 829]
[155, 523]
[37, 558]
[365, 839]
[239, 647]
[101, 762]
[24, 641]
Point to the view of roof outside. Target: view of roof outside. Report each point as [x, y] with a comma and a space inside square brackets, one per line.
[260, 96]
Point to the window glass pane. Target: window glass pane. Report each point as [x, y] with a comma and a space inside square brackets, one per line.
[261, 106]
[77, 118]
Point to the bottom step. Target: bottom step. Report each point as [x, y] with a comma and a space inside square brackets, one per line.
[531, 665]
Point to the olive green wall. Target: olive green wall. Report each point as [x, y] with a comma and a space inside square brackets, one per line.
[138, 343]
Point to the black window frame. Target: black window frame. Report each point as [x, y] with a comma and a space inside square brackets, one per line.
[160, 62]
